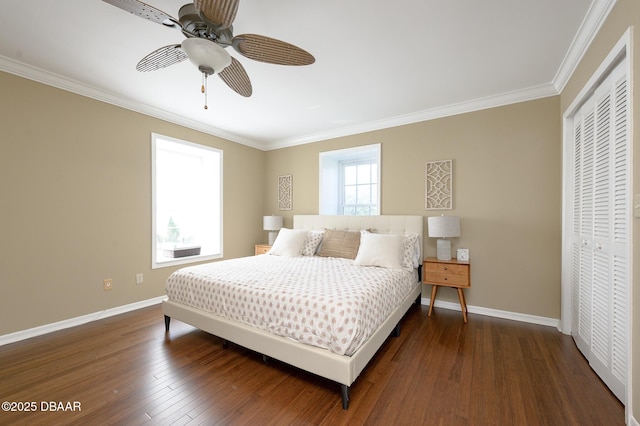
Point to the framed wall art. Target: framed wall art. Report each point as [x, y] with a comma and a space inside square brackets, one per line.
[438, 185]
[285, 192]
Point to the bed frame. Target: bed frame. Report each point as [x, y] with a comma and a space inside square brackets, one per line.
[339, 368]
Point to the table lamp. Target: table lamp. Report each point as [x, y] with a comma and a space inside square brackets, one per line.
[443, 227]
[272, 224]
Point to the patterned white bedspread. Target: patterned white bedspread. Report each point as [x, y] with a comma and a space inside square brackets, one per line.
[326, 302]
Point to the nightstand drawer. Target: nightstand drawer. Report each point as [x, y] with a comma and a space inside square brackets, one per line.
[446, 274]
[262, 248]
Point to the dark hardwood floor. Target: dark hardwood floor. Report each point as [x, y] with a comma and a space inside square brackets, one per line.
[125, 370]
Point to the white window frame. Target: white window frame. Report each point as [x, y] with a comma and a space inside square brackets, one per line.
[332, 176]
[342, 204]
[211, 245]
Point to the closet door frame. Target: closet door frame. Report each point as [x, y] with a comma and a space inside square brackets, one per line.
[622, 50]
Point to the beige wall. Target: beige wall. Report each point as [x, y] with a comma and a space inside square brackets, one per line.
[625, 14]
[75, 203]
[75, 195]
[507, 192]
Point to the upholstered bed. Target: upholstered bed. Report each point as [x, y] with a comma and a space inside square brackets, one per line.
[326, 312]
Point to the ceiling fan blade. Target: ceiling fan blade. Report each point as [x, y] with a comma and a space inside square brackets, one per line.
[219, 13]
[162, 58]
[145, 11]
[270, 50]
[236, 78]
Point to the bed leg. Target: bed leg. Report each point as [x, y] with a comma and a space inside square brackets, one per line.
[225, 344]
[265, 359]
[344, 390]
[396, 330]
[167, 321]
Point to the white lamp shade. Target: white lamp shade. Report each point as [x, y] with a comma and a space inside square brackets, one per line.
[443, 226]
[206, 55]
[272, 223]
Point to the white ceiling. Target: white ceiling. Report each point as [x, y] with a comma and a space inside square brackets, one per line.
[378, 63]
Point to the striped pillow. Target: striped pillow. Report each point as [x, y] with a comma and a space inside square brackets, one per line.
[340, 244]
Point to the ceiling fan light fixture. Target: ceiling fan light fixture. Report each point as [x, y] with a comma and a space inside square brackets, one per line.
[209, 57]
[208, 26]
[206, 55]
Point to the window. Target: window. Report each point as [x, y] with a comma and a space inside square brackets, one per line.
[186, 202]
[350, 181]
[359, 185]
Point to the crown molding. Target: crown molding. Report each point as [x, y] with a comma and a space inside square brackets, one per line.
[593, 21]
[40, 75]
[503, 99]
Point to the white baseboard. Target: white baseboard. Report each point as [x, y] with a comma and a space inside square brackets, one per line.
[533, 319]
[72, 322]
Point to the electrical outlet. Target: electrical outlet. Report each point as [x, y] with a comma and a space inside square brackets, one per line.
[107, 284]
[139, 278]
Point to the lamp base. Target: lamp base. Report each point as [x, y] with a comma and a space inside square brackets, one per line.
[443, 249]
[272, 237]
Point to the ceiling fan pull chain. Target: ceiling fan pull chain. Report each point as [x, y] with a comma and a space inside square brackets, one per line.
[204, 88]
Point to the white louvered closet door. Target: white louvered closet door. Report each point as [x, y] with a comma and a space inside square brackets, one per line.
[600, 246]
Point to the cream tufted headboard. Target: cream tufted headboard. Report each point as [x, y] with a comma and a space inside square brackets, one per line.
[392, 224]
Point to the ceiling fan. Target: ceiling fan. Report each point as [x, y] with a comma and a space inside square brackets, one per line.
[208, 26]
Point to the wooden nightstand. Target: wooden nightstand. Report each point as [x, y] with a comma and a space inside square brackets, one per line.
[262, 248]
[449, 273]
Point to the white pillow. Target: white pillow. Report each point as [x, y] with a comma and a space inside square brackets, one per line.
[411, 251]
[312, 242]
[384, 250]
[289, 243]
